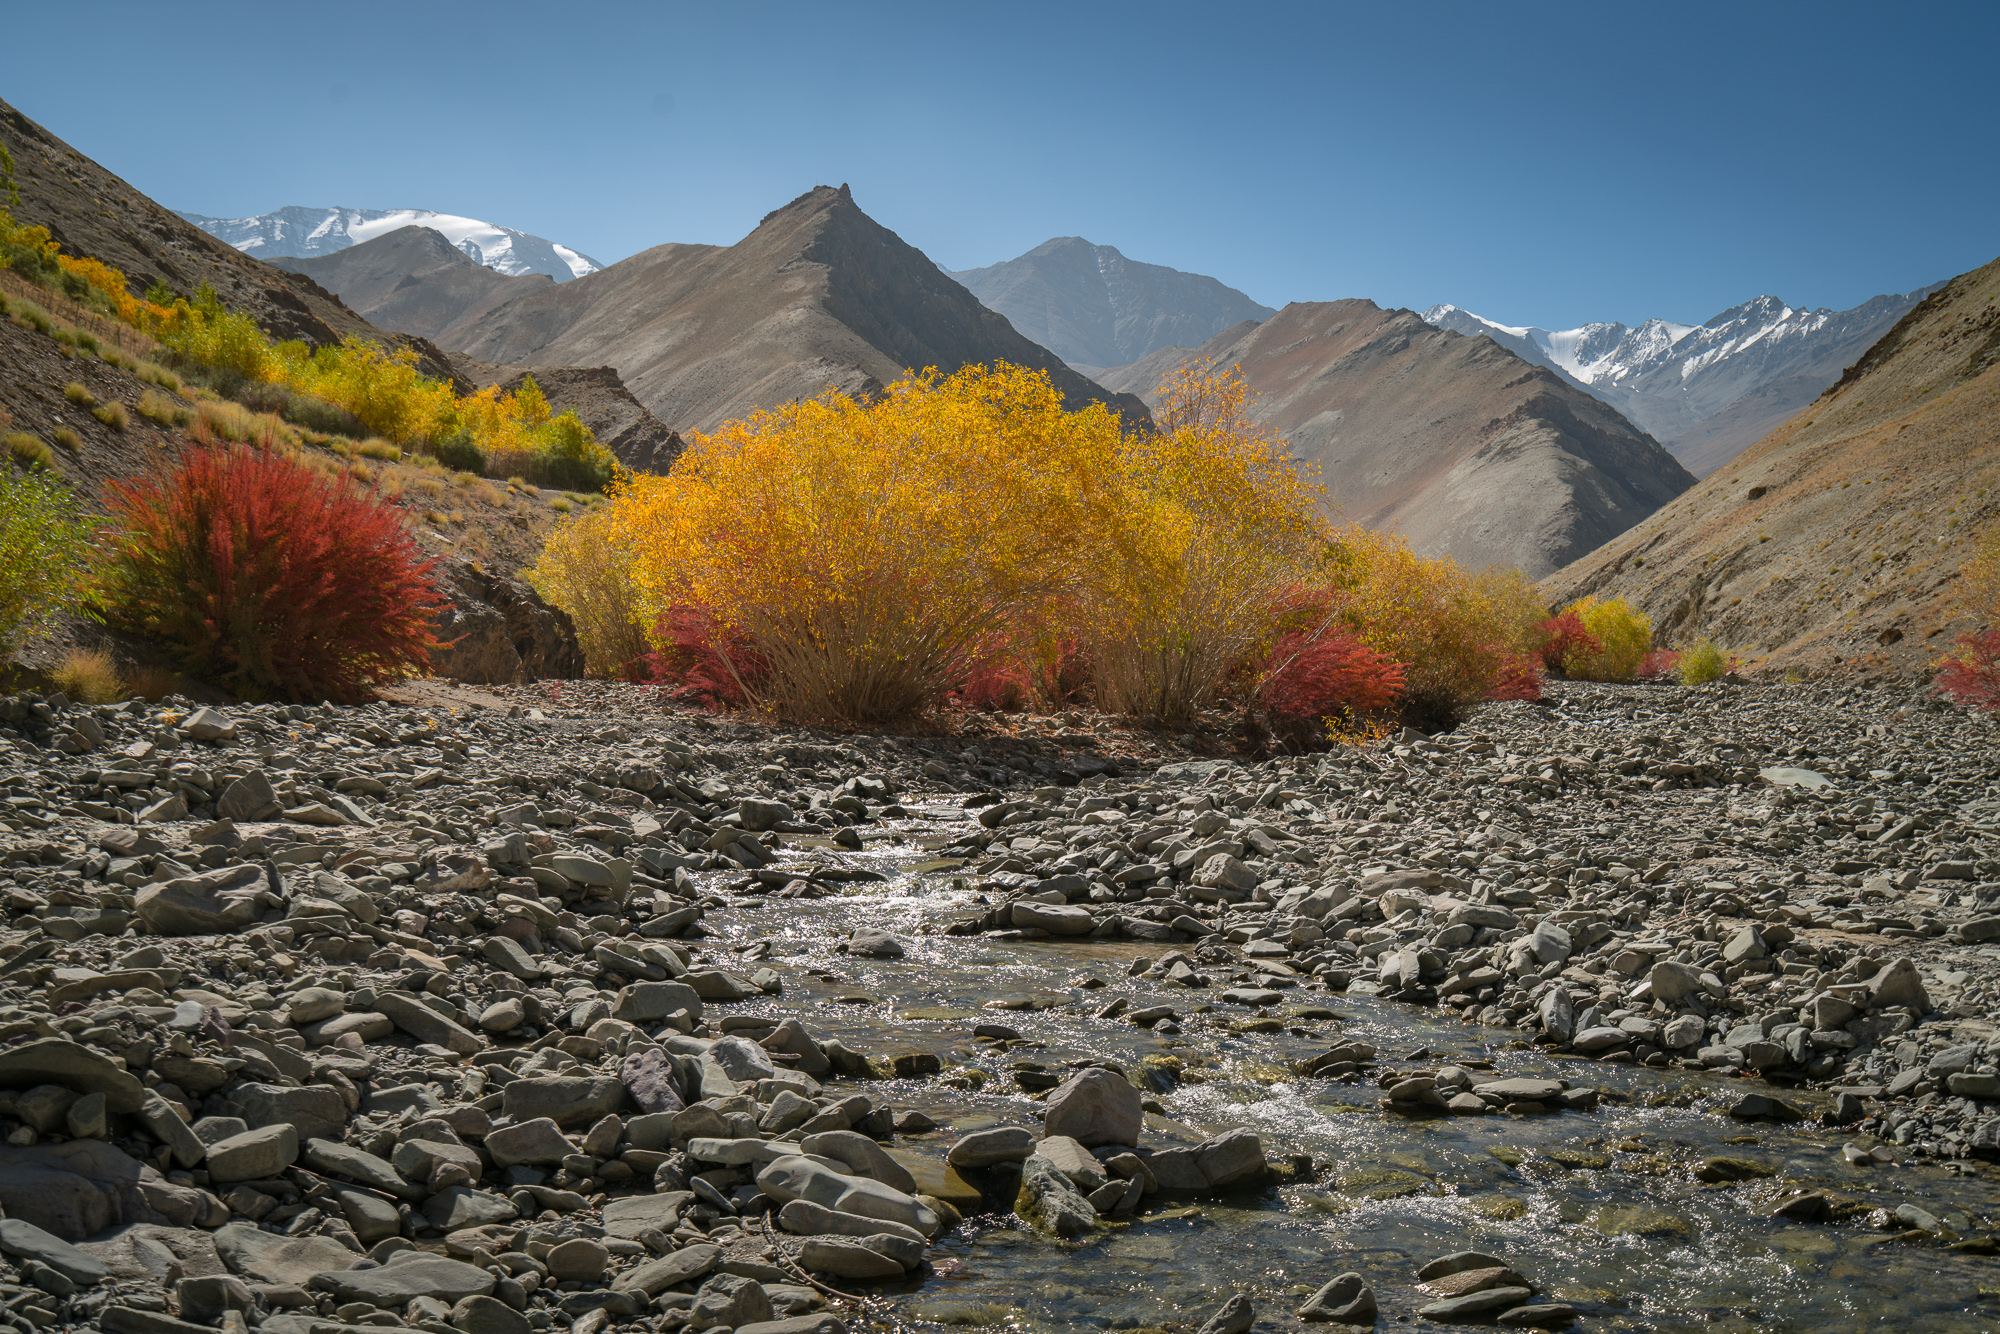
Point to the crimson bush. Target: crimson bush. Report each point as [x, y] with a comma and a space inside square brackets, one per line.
[1312, 679]
[1971, 673]
[703, 662]
[270, 580]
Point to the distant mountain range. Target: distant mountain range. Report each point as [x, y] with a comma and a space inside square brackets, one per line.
[819, 296]
[1455, 442]
[296, 232]
[1094, 308]
[1705, 391]
[1836, 542]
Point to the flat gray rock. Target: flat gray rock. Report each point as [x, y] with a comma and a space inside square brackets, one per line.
[401, 1281]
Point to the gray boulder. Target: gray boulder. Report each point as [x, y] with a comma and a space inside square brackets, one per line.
[1096, 1107]
[212, 903]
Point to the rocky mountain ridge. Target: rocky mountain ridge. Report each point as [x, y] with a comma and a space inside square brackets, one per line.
[1835, 542]
[1093, 307]
[819, 296]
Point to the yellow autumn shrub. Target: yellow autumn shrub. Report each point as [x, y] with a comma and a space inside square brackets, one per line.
[1458, 633]
[1214, 528]
[1625, 637]
[583, 570]
[852, 560]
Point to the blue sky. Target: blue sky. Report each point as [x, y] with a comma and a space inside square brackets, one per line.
[1542, 163]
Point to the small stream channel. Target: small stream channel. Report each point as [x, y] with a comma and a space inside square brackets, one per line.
[1602, 1209]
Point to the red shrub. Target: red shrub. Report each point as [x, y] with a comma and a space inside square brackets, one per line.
[703, 662]
[270, 580]
[1309, 680]
[997, 685]
[1971, 673]
[1520, 678]
[1660, 662]
[1563, 636]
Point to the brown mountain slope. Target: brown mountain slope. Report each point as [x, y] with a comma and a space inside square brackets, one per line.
[1465, 448]
[819, 294]
[92, 212]
[412, 280]
[1835, 541]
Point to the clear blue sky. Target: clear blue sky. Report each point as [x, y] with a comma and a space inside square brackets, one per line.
[1543, 163]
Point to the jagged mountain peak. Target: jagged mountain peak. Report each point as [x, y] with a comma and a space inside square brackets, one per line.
[1704, 390]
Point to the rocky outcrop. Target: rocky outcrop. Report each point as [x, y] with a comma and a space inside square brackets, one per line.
[501, 632]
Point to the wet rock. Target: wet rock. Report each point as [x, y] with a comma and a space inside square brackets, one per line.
[1456, 1263]
[874, 944]
[1346, 1299]
[1048, 1201]
[1475, 1305]
[797, 1178]
[1546, 1315]
[983, 1148]
[1762, 1107]
[1234, 1317]
[847, 1259]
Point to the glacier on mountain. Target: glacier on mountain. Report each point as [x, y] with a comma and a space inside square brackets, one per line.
[295, 232]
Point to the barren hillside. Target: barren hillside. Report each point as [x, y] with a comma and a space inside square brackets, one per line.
[1465, 448]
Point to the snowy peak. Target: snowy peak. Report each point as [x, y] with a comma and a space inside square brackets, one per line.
[299, 233]
[1704, 390]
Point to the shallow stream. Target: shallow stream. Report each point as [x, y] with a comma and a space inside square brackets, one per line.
[1602, 1209]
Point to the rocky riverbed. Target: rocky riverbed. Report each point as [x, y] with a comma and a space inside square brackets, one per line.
[1643, 1008]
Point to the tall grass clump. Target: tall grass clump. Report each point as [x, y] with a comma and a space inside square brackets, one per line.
[88, 676]
[45, 544]
[583, 571]
[269, 579]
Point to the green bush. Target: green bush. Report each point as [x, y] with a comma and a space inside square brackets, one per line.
[1622, 636]
[458, 452]
[570, 457]
[1703, 663]
[44, 542]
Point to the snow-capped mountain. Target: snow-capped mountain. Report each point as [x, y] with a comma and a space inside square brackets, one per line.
[1705, 391]
[296, 232]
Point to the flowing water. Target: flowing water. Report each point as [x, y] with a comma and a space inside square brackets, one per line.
[1601, 1209]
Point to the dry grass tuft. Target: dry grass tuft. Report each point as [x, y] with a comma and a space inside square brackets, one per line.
[89, 676]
